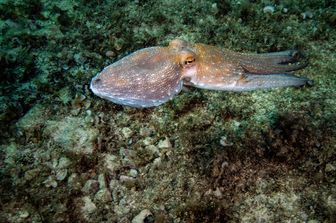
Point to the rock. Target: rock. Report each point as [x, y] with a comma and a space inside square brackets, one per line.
[147, 141]
[223, 141]
[153, 150]
[31, 174]
[157, 163]
[218, 193]
[91, 187]
[23, 214]
[103, 195]
[72, 134]
[63, 162]
[74, 181]
[101, 181]
[89, 207]
[133, 173]
[144, 216]
[34, 118]
[165, 144]
[129, 182]
[127, 132]
[145, 132]
[330, 168]
[109, 53]
[50, 182]
[269, 9]
[307, 15]
[112, 163]
[61, 174]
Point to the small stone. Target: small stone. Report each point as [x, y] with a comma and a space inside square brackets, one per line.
[144, 216]
[145, 132]
[31, 174]
[74, 181]
[23, 214]
[147, 141]
[153, 150]
[91, 187]
[133, 173]
[269, 9]
[103, 195]
[112, 163]
[61, 174]
[307, 15]
[89, 207]
[113, 184]
[64, 162]
[223, 141]
[165, 144]
[50, 182]
[129, 182]
[101, 181]
[218, 193]
[109, 53]
[157, 162]
[127, 132]
[330, 168]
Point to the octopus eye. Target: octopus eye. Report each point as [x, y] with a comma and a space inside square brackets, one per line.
[189, 61]
[187, 58]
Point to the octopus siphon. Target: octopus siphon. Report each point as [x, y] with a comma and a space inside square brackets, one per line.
[152, 76]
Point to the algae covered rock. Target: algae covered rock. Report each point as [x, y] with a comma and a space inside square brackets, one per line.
[72, 134]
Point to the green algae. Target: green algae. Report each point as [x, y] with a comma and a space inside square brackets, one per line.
[276, 162]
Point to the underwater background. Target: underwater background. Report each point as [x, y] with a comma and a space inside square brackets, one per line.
[205, 156]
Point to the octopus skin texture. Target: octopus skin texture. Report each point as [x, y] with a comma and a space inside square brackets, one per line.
[152, 76]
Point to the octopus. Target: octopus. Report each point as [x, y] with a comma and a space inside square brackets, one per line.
[152, 76]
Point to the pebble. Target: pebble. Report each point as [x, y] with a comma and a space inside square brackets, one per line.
[89, 207]
[133, 173]
[127, 132]
[24, 214]
[112, 163]
[61, 174]
[103, 195]
[109, 53]
[269, 9]
[30, 174]
[165, 144]
[307, 15]
[91, 187]
[74, 181]
[147, 141]
[153, 150]
[218, 193]
[101, 181]
[129, 182]
[63, 162]
[223, 141]
[50, 182]
[157, 162]
[145, 132]
[330, 168]
[142, 217]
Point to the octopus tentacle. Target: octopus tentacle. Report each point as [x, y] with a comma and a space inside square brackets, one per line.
[273, 63]
[250, 82]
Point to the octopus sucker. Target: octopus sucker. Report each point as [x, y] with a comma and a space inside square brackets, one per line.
[152, 76]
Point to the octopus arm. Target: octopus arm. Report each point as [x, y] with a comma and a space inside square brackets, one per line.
[249, 82]
[273, 63]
